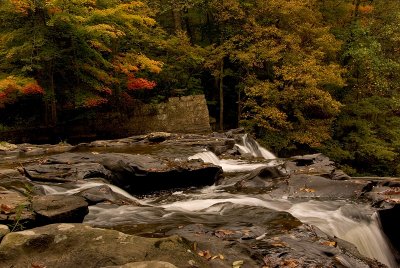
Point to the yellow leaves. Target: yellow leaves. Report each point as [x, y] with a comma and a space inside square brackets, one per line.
[99, 46]
[237, 264]
[151, 65]
[329, 243]
[106, 30]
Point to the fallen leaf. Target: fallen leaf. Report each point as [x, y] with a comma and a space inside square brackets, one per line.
[6, 209]
[221, 233]
[205, 253]
[329, 243]
[37, 265]
[307, 190]
[237, 264]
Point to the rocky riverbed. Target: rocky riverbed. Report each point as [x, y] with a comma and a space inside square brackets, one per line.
[180, 200]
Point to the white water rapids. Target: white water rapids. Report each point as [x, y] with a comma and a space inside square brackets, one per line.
[354, 223]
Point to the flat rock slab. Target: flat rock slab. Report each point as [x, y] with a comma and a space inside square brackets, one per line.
[303, 186]
[78, 245]
[58, 208]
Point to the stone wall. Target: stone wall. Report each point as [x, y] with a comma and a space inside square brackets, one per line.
[187, 114]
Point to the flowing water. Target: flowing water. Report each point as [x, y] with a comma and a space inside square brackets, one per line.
[356, 223]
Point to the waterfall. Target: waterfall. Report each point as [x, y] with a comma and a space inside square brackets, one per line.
[250, 146]
[54, 190]
[348, 223]
[228, 165]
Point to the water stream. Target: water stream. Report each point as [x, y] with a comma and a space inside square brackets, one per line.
[356, 223]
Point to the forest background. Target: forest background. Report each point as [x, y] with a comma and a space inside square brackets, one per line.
[301, 75]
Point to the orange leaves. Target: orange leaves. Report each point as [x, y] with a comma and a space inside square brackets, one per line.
[94, 102]
[21, 6]
[32, 89]
[139, 83]
[12, 87]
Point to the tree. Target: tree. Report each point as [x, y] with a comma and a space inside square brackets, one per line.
[83, 52]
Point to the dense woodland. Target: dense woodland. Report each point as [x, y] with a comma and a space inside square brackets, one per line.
[301, 75]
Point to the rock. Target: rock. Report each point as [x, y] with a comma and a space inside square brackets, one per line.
[3, 231]
[306, 186]
[5, 146]
[389, 219]
[261, 178]
[138, 174]
[66, 172]
[316, 164]
[104, 193]
[78, 245]
[145, 264]
[141, 174]
[15, 209]
[158, 136]
[58, 208]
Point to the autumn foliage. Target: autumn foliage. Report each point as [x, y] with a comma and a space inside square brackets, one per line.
[139, 83]
[12, 87]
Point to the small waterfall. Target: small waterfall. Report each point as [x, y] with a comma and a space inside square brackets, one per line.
[54, 190]
[228, 165]
[348, 223]
[250, 146]
[207, 157]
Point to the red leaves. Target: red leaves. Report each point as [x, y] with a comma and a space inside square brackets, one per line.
[32, 89]
[139, 83]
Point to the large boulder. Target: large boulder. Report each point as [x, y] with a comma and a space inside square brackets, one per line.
[138, 174]
[58, 208]
[77, 245]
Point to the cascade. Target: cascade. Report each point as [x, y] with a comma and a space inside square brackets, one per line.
[250, 146]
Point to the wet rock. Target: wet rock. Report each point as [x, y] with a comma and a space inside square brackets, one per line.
[389, 219]
[261, 178]
[316, 164]
[306, 186]
[138, 174]
[145, 264]
[58, 208]
[104, 193]
[66, 172]
[77, 245]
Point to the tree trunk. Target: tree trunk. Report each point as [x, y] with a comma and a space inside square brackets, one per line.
[221, 97]
[51, 105]
[239, 107]
[176, 12]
